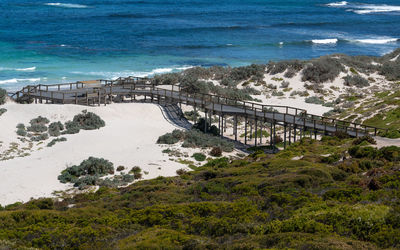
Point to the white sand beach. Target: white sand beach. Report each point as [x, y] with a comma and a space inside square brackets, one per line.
[128, 139]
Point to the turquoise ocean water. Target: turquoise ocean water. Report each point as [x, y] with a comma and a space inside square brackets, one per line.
[52, 42]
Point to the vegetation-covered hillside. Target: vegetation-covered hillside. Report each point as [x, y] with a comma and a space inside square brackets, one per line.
[329, 194]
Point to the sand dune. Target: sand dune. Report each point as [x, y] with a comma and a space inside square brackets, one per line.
[128, 139]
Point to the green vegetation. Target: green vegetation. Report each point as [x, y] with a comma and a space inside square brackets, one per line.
[264, 201]
[314, 99]
[3, 95]
[54, 141]
[2, 111]
[199, 157]
[355, 81]
[195, 139]
[322, 70]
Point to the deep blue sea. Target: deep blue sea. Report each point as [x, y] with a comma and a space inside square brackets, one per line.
[52, 42]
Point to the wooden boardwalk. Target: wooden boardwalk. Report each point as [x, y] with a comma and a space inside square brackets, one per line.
[296, 122]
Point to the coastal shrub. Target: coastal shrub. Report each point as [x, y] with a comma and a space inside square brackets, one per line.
[41, 137]
[120, 168]
[314, 99]
[92, 167]
[293, 66]
[2, 111]
[191, 115]
[363, 152]
[216, 152]
[135, 169]
[21, 126]
[3, 95]
[54, 141]
[390, 153]
[88, 120]
[21, 132]
[277, 93]
[285, 84]
[200, 125]
[366, 138]
[39, 121]
[71, 127]
[199, 156]
[37, 128]
[356, 81]
[171, 138]
[391, 70]
[322, 70]
[115, 182]
[197, 139]
[181, 171]
[55, 129]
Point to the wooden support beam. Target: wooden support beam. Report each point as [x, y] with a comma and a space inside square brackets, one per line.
[284, 135]
[245, 130]
[255, 136]
[236, 123]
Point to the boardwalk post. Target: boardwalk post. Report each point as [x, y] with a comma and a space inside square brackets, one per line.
[295, 132]
[219, 123]
[245, 130]
[255, 136]
[284, 135]
[99, 97]
[236, 123]
[76, 98]
[274, 136]
[222, 129]
[251, 130]
[270, 135]
[87, 99]
[205, 120]
[261, 134]
[290, 134]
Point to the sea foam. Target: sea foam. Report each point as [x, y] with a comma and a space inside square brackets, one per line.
[67, 5]
[377, 41]
[370, 9]
[15, 80]
[325, 41]
[337, 4]
[18, 69]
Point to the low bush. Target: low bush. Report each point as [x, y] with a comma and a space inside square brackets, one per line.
[21, 132]
[285, 84]
[2, 111]
[199, 156]
[181, 171]
[37, 128]
[71, 127]
[120, 168]
[390, 153]
[135, 169]
[88, 121]
[197, 139]
[39, 121]
[322, 70]
[55, 129]
[314, 100]
[41, 137]
[355, 81]
[391, 70]
[366, 138]
[209, 129]
[3, 95]
[54, 141]
[363, 152]
[216, 152]
[171, 138]
[87, 172]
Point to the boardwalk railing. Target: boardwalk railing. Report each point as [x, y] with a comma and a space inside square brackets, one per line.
[81, 93]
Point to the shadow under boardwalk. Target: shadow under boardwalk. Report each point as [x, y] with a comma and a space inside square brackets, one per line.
[173, 114]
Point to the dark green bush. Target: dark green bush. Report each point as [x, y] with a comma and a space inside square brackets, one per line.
[71, 127]
[363, 152]
[356, 81]
[55, 129]
[171, 138]
[92, 166]
[39, 121]
[366, 138]
[3, 95]
[2, 111]
[200, 125]
[390, 153]
[37, 128]
[88, 121]
[391, 70]
[120, 168]
[41, 137]
[322, 70]
[216, 152]
[54, 141]
[199, 156]
[314, 99]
